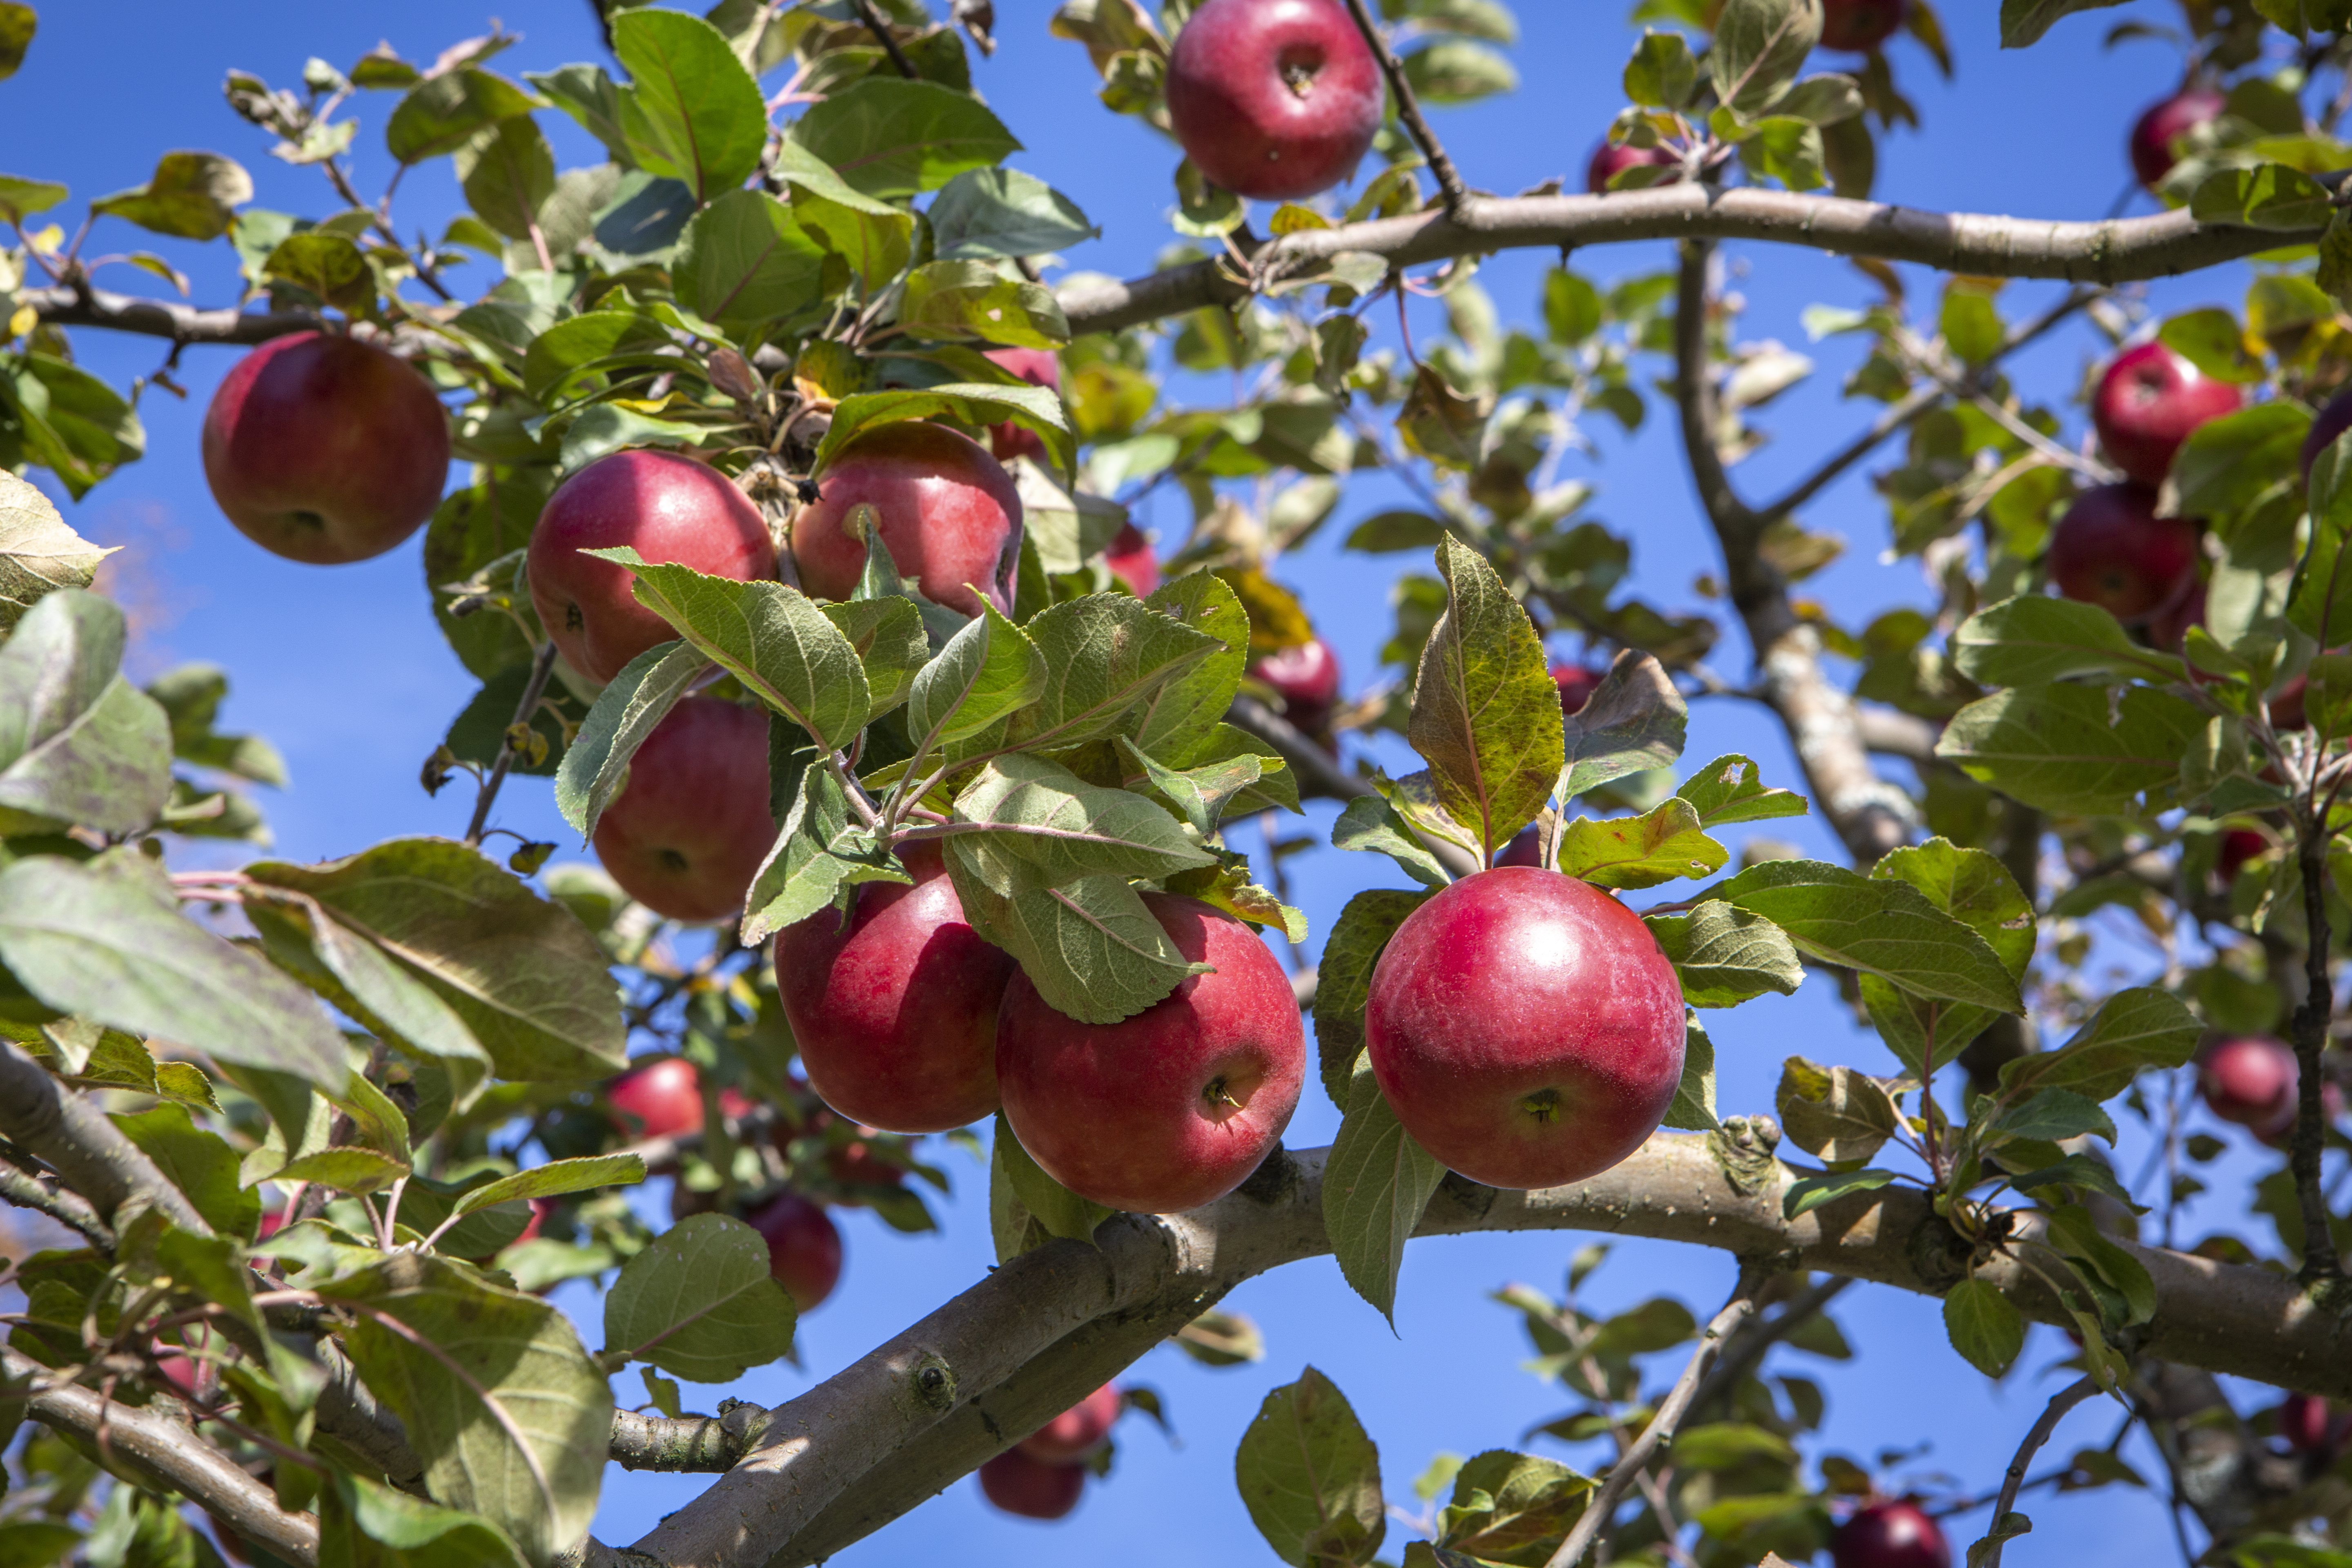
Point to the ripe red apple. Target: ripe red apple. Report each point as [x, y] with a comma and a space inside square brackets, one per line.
[1131, 561]
[2312, 1425]
[2168, 628]
[1892, 1532]
[1859, 26]
[667, 508]
[803, 1247]
[660, 1099]
[1038, 367]
[1526, 1028]
[1612, 158]
[1577, 685]
[691, 826]
[895, 1009]
[2239, 844]
[1307, 679]
[2250, 1079]
[1175, 1106]
[2331, 422]
[324, 449]
[1274, 99]
[2147, 402]
[1075, 1432]
[950, 516]
[2113, 551]
[2153, 134]
[1032, 1489]
[1525, 848]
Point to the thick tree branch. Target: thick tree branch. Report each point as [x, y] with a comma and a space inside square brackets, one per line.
[1451, 190]
[161, 319]
[168, 1453]
[78, 1142]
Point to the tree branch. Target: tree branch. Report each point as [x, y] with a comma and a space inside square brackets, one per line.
[1758, 1335]
[1317, 774]
[45, 1194]
[2055, 1411]
[1451, 190]
[169, 1453]
[78, 1142]
[1595, 1518]
[542, 665]
[881, 29]
[161, 319]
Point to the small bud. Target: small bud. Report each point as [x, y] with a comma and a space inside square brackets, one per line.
[527, 860]
[437, 768]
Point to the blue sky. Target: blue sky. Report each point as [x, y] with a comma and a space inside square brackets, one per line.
[344, 669]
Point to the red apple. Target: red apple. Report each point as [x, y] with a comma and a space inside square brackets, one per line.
[660, 1100]
[1526, 1028]
[895, 1008]
[1274, 99]
[1577, 685]
[1032, 1487]
[691, 826]
[1612, 158]
[323, 449]
[1175, 1106]
[1858, 25]
[1307, 679]
[803, 1247]
[1892, 1532]
[2330, 422]
[951, 517]
[2147, 402]
[1525, 848]
[1038, 367]
[667, 508]
[2113, 551]
[2168, 628]
[2312, 1425]
[179, 1370]
[2250, 1079]
[1131, 561]
[2153, 134]
[1075, 1432]
[2239, 844]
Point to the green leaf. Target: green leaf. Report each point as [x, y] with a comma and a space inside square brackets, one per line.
[2266, 197]
[1344, 981]
[363, 1521]
[1036, 825]
[2024, 22]
[985, 214]
[2213, 341]
[526, 976]
[1975, 888]
[1984, 1326]
[1310, 1477]
[691, 111]
[508, 1414]
[1809, 1193]
[2087, 1172]
[562, 359]
[1059, 1211]
[2067, 749]
[973, 301]
[442, 114]
[70, 421]
[1511, 1508]
[987, 672]
[1203, 796]
[596, 763]
[1725, 956]
[1880, 927]
[1033, 408]
[21, 198]
[2033, 640]
[770, 636]
[1107, 655]
[1370, 823]
[701, 1302]
[106, 940]
[1731, 789]
[1092, 947]
[2074, 1233]
[816, 852]
[2227, 462]
[508, 171]
[586, 93]
[745, 259]
[80, 745]
[2053, 1114]
[1375, 1182]
[2134, 1028]
[886, 634]
[191, 196]
[1182, 722]
[38, 553]
[1760, 45]
[200, 1164]
[1661, 73]
[1692, 1109]
[1641, 851]
[891, 137]
[1841, 1116]
[873, 237]
[1633, 723]
[1451, 72]
[557, 1177]
[190, 696]
[1485, 711]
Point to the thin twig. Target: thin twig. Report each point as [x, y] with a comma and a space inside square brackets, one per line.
[2066, 1398]
[881, 29]
[1450, 188]
[2310, 1019]
[1758, 1335]
[533, 689]
[1662, 1426]
[28, 1191]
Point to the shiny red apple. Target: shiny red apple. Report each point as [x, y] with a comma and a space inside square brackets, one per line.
[1038, 367]
[1274, 99]
[895, 1008]
[662, 1098]
[667, 508]
[2156, 130]
[1307, 679]
[1526, 1028]
[2112, 550]
[324, 449]
[803, 1247]
[1077, 1431]
[1859, 26]
[2146, 403]
[1030, 1487]
[1612, 158]
[950, 515]
[2250, 1079]
[691, 826]
[1175, 1106]
[1892, 1532]
[1131, 561]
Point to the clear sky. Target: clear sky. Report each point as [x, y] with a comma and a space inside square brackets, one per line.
[344, 669]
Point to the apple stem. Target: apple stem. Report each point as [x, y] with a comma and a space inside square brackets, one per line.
[1454, 194]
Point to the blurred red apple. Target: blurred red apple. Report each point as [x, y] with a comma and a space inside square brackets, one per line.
[660, 1100]
[324, 449]
[1171, 1108]
[691, 826]
[2148, 403]
[2239, 844]
[1038, 367]
[949, 516]
[1307, 679]
[1577, 685]
[667, 508]
[1890, 1533]
[803, 1247]
[1274, 99]
[1525, 848]
[2113, 551]
[2312, 1425]
[2250, 1079]
[1612, 158]
[1075, 1432]
[2153, 134]
[1131, 561]
[1030, 1487]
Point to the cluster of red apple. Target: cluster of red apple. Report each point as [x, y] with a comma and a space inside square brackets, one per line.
[1042, 1476]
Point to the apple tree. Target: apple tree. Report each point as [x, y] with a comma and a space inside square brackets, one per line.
[788, 538]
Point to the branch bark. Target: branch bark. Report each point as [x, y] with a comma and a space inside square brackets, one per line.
[161, 319]
[1452, 192]
[75, 1139]
[2073, 1393]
